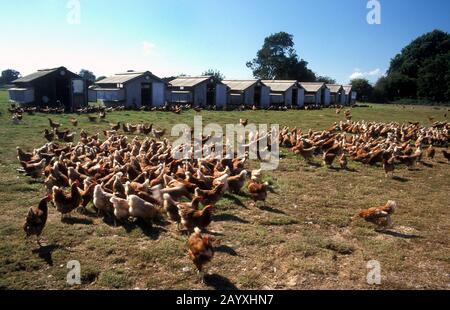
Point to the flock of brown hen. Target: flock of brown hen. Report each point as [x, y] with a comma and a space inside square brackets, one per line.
[140, 180]
[370, 143]
[137, 180]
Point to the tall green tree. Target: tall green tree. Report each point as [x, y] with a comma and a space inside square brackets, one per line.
[8, 76]
[277, 59]
[215, 73]
[434, 79]
[413, 57]
[420, 70]
[363, 89]
[88, 76]
[326, 79]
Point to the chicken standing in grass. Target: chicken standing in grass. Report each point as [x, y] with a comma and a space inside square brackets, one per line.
[34, 170]
[65, 202]
[343, 161]
[431, 152]
[74, 122]
[121, 209]
[380, 216]
[236, 182]
[101, 200]
[258, 191]
[200, 249]
[141, 209]
[389, 166]
[53, 124]
[446, 155]
[243, 122]
[307, 154]
[210, 196]
[158, 133]
[191, 218]
[36, 219]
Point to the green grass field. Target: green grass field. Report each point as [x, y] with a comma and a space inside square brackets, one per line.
[305, 239]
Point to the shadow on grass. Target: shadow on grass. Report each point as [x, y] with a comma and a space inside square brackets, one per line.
[229, 218]
[400, 179]
[428, 165]
[219, 282]
[76, 220]
[33, 181]
[236, 200]
[226, 249]
[351, 169]
[45, 252]
[151, 231]
[273, 210]
[313, 164]
[399, 234]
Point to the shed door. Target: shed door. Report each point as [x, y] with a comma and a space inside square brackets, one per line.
[265, 97]
[221, 95]
[301, 97]
[158, 94]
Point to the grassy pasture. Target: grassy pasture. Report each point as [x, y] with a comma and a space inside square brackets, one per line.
[305, 239]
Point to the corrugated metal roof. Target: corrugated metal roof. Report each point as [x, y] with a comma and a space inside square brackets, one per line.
[334, 88]
[37, 75]
[20, 89]
[189, 81]
[280, 85]
[107, 89]
[181, 92]
[347, 88]
[312, 86]
[239, 85]
[122, 78]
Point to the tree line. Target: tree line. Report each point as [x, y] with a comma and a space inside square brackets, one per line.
[419, 73]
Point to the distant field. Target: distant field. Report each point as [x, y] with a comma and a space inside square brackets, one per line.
[306, 239]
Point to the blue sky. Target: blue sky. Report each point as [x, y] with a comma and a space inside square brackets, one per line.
[181, 36]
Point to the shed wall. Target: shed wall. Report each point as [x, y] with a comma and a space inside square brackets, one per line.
[200, 95]
[221, 95]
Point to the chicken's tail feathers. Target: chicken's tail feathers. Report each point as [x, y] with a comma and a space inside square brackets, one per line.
[391, 203]
[390, 206]
[269, 187]
[197, 230]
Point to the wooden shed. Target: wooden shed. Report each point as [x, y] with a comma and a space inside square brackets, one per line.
[337, 94]
[285, 92]
[50, 87]
[199, 91]
[248, 92]
[316, 93]
[350, 95]
[132, 89]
